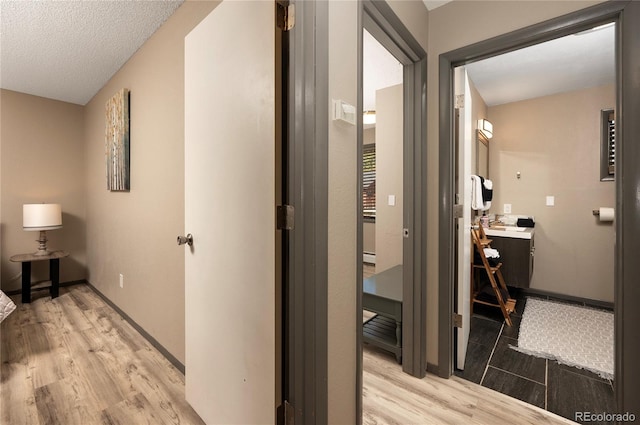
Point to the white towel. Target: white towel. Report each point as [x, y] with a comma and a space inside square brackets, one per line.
[491, 253]
[476, 193]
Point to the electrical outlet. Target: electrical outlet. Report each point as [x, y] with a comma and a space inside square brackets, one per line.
[507, 208]
[121, 280]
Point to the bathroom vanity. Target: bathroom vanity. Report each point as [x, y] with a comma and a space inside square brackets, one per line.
[516, 246]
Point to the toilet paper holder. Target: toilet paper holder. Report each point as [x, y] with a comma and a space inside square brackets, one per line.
[604, 214]
[596, 212]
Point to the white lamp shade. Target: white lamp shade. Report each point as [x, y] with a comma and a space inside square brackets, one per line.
[41, 216]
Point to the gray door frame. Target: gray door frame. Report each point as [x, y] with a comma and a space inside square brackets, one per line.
[306, 188]
[378, 18]
[627, 221]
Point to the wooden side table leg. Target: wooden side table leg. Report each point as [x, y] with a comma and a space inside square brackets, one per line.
[26, 282]
[54, 276]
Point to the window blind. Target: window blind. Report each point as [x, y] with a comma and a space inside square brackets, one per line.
[369, 181]
[611, 142]
[607, 145]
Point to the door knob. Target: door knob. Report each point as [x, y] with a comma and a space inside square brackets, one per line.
[185, 240]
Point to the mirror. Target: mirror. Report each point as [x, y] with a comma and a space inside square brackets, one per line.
[482, 155]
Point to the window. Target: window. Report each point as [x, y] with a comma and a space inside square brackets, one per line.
[608, 145]
[369, 181]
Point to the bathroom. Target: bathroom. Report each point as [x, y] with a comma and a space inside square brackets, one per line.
[544, 161]
[542, 149]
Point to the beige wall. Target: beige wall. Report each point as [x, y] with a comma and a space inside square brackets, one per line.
[480, 20]
[554, 142]
[369, 136]
[343, 210]
[42, 161]
[135, 233]
[389, 166]
[369, 237]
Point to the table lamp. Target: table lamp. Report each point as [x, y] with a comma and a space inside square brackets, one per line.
[41, 217]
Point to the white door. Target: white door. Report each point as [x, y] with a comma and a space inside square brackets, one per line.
[229, 210]
[463, 195]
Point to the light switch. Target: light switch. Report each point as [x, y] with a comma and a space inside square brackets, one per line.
[551, 201]
[507, 208]
[342, 111]
[392, 200]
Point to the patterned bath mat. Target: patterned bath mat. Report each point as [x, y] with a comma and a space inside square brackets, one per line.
[573, 335]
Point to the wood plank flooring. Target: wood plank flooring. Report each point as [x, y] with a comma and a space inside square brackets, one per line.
[392, 397]
[74, 360]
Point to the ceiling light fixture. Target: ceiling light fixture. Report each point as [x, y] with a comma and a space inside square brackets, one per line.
[369, 117]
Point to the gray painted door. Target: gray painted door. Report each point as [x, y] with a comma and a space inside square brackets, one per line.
[229, 210]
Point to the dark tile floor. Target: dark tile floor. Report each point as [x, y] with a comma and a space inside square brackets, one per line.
[557, 388]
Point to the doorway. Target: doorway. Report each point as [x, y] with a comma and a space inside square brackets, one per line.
[382, 190]
[383, 25]
[566, 25]
[544, 143]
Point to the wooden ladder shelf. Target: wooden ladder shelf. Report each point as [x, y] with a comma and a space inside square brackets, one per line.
[504, 301]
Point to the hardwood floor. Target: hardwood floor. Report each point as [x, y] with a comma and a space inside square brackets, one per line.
[74, 360]
[392, 397]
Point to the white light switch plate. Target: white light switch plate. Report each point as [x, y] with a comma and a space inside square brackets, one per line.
[392, 200]
[507, 208]
[551, 201]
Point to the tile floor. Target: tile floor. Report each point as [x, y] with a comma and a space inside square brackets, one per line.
[544, 383]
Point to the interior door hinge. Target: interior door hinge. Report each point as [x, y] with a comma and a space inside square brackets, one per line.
[457, 320]
[286, 414]
[285, 217]
[286, 15]
[459, 101]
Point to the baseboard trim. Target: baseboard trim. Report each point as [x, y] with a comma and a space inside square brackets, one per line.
[568, 298]
[61, 284]
[174, 361]
[434, 369]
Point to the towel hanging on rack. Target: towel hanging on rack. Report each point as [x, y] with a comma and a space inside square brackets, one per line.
[481, 193]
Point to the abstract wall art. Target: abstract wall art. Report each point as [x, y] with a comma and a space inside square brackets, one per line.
[117, 142]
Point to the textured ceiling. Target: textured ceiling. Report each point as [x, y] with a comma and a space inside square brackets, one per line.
[574, 62]
[68, 50]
